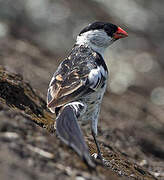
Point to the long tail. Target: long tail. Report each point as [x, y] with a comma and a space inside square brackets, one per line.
[70, 133]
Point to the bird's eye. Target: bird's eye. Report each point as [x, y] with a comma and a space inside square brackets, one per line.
[110, 29]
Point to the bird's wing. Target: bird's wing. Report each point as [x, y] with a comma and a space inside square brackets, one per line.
[66, 85]
[70, 133]
[74, 79]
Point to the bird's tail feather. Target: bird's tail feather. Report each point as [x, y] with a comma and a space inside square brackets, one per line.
[70, 133]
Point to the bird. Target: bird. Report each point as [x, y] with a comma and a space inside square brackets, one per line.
[77, 87]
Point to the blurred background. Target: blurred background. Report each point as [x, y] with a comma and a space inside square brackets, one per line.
[35, 35]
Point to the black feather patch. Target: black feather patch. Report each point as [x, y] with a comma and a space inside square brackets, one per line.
[107, 27]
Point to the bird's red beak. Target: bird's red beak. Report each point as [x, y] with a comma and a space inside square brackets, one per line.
[120, 33]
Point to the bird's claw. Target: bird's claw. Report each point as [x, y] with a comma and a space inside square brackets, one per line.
[98, 156]
[95, 155]
[102, 161]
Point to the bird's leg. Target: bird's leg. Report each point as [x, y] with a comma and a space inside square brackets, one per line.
[97, 145]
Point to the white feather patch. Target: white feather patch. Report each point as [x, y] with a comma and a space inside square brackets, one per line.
[53, 78]
[96, 74]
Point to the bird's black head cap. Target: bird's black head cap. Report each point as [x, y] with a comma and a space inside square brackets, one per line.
[107, 27]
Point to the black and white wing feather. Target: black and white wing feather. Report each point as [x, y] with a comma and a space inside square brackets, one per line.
[81, 73]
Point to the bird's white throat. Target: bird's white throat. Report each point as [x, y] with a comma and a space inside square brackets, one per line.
[98, 40]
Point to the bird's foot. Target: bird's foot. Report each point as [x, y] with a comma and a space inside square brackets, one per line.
[100, 159]
[98, 156]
